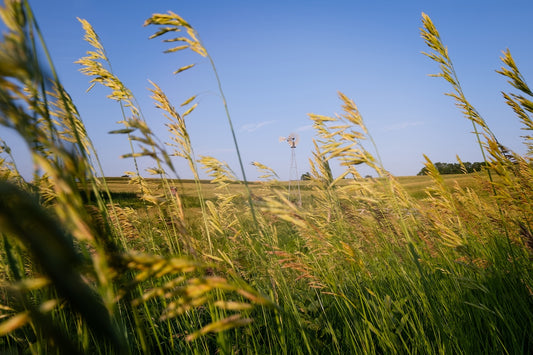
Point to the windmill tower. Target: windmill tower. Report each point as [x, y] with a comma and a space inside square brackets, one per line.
[294, 180]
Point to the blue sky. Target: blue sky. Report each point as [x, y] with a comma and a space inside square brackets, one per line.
[280, 60]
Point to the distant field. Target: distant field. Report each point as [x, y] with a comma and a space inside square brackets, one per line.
[414, 185]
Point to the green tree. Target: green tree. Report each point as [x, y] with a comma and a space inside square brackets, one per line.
[455, 168]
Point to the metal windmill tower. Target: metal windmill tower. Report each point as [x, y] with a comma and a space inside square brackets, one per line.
[294, 180]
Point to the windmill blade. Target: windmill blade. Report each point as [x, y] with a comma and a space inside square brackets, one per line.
[293, 140]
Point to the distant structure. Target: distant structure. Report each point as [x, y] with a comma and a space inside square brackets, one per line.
[294, 179]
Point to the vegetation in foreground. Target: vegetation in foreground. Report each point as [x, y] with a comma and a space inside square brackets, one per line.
[361, 267]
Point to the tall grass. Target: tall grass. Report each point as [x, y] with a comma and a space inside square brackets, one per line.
[360, 267]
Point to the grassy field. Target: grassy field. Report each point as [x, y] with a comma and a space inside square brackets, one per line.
[127, 194]
[416, 186]
[415, 265]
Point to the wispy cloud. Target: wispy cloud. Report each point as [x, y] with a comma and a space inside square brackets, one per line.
[251, 127]
[403, 125]
[304, 128]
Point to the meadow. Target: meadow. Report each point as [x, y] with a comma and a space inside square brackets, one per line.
[127, 194]
[431, 264]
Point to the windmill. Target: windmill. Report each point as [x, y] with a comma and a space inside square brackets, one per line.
[293, 139]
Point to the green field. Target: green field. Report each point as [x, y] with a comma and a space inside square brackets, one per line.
[435, 264]
[126, 192]
[415, 185]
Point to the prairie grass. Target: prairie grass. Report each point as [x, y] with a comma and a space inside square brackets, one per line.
[435, 264]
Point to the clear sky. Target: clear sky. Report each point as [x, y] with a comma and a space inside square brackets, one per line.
[280, 60]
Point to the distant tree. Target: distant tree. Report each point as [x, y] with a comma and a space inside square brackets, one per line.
[478, 166]
[454, 168]
[306, 176]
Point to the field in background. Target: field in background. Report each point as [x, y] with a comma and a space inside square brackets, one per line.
[127, 194]
[415, 185]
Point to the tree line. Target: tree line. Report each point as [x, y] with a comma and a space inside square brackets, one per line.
[455, 168]
[443, 168]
